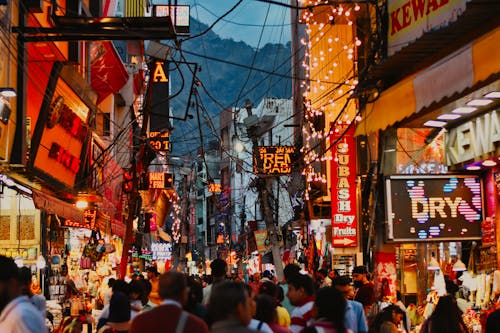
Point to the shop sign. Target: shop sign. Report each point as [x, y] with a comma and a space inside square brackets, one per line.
[343, 186]
[434, 207]
[161, 251]
[260, 240]
[273, 160]
[160, 180]
[214, 188]
[178, 14]
[160, 102]
[473, 139]
[410, 19]
[159, 141]
[89, 220]
[60, 132]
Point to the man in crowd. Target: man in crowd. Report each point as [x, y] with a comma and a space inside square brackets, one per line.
[230, 308]
[355, 318]
[301, 294]
[17, 314]
[153, 275]
[365, 291]
[219, 270]
[166, 317]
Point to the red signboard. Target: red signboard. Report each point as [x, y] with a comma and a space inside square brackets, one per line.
[343, 186]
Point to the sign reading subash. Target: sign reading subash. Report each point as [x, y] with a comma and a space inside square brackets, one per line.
[434, 207]
[273, 160]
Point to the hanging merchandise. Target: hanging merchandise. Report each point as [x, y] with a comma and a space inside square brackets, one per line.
[94, 249]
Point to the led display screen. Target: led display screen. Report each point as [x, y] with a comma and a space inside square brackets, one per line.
[434, 207]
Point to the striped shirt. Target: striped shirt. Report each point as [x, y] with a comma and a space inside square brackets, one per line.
[302, 315]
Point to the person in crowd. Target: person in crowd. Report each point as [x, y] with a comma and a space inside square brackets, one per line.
[109, 291]
[230, 308]
[119, 314]
[135, 288]
[365, 291]
[355, 318]
[328, 312]
[167, 316]
[493, 321]
[219, 270]
[321, 279]
[118, 286]
[37, 300]
[256, 324]
[301, 294]
[254, 282]
[289, 271]
[147, 304]
[446, 318]
[276, 292]
[388, 320]
[195, 297]
[266, 313]
[399, 302]
[153, 277]
[17, 313]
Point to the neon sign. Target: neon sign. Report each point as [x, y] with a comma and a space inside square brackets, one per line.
[273, 160]
[434, 207]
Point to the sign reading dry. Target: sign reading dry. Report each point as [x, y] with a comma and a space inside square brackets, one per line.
[273, 160]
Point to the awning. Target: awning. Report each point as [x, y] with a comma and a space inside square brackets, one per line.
[466, 68]
[107, 71]
[56, 206]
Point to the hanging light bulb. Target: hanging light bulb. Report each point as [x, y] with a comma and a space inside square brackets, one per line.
[459, 266]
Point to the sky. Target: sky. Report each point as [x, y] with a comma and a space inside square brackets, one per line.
[246, 21]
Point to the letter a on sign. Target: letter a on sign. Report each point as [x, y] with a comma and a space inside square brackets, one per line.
[159, 73]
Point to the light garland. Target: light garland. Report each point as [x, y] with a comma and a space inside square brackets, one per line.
[328, 55]
[175, 214]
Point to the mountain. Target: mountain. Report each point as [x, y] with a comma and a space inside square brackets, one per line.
[225, 72]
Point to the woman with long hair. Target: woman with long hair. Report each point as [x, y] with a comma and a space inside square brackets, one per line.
[328, 311]
[446, 318]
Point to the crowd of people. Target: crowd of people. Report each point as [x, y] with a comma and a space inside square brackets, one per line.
[175, 302]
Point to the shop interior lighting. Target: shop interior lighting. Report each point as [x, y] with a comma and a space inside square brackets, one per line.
[489, 163]
[449, 116]
[459, 266]
[433, 265]
[479, 102]
[493, 94]
[473, 167]
[434, 123]
[7, 92]
[465, 109]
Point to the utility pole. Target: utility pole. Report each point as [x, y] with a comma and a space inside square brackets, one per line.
[264, 183]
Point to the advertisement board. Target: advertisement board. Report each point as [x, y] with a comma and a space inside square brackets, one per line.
[433, 207]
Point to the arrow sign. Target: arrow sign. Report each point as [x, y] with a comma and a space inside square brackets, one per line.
[343, 241]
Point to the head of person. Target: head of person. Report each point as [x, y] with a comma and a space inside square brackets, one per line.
[121, 286]
[321, 274]
[265, 308]
[290, 270]
[146, 288]
[230, 300]
[447, 314]
[269, 288]
[195, 295]
[119, 311]
[9, 284]
[300, 288]
[173, 285]
[359, 276]
[219, 269]
[392, 313]
[111, 282]
[343, 284]
[152, 272]
[136, 289]
[330, 304]
[25, 280]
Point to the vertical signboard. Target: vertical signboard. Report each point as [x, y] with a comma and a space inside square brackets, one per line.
[160, 106]
[343, 187]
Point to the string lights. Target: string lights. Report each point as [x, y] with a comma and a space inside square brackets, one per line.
[330, 79]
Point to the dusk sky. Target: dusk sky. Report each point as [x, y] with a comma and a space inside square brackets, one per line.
[246, 21]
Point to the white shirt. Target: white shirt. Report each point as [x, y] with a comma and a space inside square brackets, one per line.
[20, 316]
[254, 324]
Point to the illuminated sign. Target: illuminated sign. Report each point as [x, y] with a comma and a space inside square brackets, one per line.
[473, 139]
[160, 180]
[214, 188]
[89, 220]
[159, 141]
[178, 14]
[409, 20]
[434, 207]
[160, 99]
[61, 129]
[343, 175]
[273, 160]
